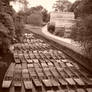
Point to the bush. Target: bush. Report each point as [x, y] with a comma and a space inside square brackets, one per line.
[51, 27]
[35, 19]
[82, 32]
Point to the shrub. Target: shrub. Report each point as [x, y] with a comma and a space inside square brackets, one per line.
[82, 32]
[51, 27]
[35, 19]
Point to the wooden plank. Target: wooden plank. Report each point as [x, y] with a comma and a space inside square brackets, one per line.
[36, 60]
[47, 73]
[42, 60]
[54, 73]
[17, 61]
[18, 67]
[50, 64]
[24, 65]
[87, 81]
[33, 74]
[42, 55]
[76, 65]
[80, 90]
[29, 61]
[17, 78]
[50, 90]
[39, 70]
[65, 60]
[25, 77]
[79, 81]
[44, 65]
[47, 56]
[71, 90]
[69, 64]
[47, 83]
[62, 64]
[6, 83]
[23, 60]
[25, 70]
[37, 65]
[8, 76]
[26, 55]
[40, 73]
[55, 83]
[62, 82]
[31, 55]
[57, 65]
[89, 89]
[28, 85]
[37, 84]
[69, 72]
[37, 56]
[63, 73]
[30, 65]
[60, 90]
[61, 55]
[70, 81]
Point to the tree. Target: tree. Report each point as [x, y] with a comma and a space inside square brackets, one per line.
[24, 3]
[62, 5]
[74, 5]
[83, 29]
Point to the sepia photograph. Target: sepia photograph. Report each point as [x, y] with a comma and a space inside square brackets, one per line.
[45, 45]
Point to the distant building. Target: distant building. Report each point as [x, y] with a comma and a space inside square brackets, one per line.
[62, 20]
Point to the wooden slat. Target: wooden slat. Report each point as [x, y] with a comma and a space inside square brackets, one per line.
[17, 78]
[37, 56]
[71, 90]
[25, 76]
[44, 65]
[89, 89]
[87, 81]
[50, 91]
[70, 81]
[55, 83]
[29, 61]
[47, 83]
[24, 65]
[28, 85]
[35, 60]
[30, 65]
[63, 82]
[25, 70]
[69, 64]
[6, 83]
[79, 81]
[60, 90]
[33, 74]
[37, 83]
[69, 72]
[63, 73]
[62, 64]
[80, 90]
[54, 73]
[47, 73]
[17, 61]
[31, 55]
[8, 76]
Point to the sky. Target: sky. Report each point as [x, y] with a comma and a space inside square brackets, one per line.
[45, 3]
